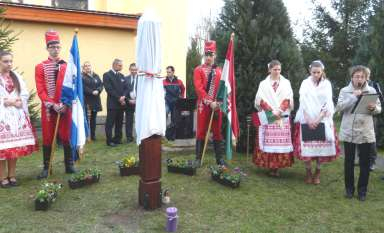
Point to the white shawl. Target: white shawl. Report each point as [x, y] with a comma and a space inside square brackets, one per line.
[272, 98]
[312, 100]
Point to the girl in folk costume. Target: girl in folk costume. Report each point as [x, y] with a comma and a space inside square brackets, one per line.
[314, 117]
[274, 101]
[17, 137]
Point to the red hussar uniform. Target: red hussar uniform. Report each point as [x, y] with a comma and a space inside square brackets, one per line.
[49, 76]
[206, 81]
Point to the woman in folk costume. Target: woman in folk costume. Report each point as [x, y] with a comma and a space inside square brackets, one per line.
[315, 118]
[274, 101]
[17, 137]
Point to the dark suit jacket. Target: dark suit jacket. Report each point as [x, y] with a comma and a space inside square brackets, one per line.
[129, 88]
[90, 84]
[115, 85]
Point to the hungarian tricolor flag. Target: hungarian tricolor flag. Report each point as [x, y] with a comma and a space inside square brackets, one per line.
[227, 95]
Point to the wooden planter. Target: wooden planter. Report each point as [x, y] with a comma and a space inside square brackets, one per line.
[190, 171]
[225, 182]
[42, 205]
[128, 171]
[82, 183]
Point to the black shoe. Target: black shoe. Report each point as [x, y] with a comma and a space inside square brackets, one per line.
[6, 185]
[362, 197]
[171, 138]
[43, 174]
[197, 163]
[372, 167]
[93, 138]
[118, 142]
[349, 194]
[129, 140]
[111, 144]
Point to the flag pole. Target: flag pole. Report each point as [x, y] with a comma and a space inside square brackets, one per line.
[53, 145]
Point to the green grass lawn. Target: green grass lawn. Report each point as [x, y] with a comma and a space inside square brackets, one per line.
[261, 204]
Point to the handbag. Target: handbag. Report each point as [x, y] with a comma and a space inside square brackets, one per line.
[308, 134]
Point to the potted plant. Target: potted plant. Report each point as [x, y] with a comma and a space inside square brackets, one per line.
[182, 166]
[224, 176]
[129, 166]
[46, 195]
[85, 177]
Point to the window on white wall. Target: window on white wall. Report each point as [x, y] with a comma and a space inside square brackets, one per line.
[16, 1]
[71, 4]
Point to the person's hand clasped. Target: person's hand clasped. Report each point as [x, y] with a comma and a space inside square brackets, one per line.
[60, 108]
[18, 103]
[313, 125]
[357, 92]
[371, 107]
[95, 92]
[13, 102]
[122, 100]
[277, 114]
[214, 105]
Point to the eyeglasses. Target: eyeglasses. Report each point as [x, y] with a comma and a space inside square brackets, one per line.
[54, 47]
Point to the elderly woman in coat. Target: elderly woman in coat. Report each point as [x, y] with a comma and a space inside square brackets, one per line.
[357, 130]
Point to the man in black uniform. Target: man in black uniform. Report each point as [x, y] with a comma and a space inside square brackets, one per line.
[131, 101]
[115, 86]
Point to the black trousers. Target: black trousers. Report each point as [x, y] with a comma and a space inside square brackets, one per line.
[92, 115]
[171, 128]
[365, 152]
[114, 120]
[129, 116]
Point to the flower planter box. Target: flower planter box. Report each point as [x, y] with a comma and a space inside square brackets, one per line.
[46, 195]
[128, 171]
[225, 182]
[82, 183]
[190, 171]
[42, 205]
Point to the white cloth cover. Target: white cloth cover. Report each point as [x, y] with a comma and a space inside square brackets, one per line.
[150, 103]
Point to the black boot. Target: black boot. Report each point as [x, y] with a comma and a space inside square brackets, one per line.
[217, 145]
[46, 156]
[199, 152]
[68, 160]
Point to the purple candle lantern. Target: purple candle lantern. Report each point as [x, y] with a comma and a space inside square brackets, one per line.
[172, 219]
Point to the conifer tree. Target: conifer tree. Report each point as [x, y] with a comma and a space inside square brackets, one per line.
[371, 53]
[262, 33]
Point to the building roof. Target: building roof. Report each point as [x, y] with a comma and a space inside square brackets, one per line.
[45, 14]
